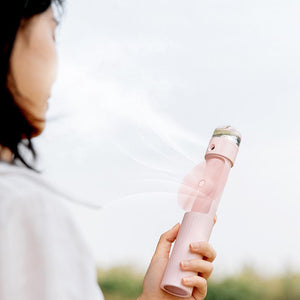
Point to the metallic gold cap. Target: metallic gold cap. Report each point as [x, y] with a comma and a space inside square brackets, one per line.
[229, 133]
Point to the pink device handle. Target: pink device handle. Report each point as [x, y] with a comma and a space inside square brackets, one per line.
[202, 190]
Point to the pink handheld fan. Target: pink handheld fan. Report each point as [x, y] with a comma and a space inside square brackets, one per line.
[200, 195]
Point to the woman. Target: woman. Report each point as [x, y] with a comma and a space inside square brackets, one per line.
[42, 254]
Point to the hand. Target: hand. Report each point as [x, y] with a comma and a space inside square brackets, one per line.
[155, 272]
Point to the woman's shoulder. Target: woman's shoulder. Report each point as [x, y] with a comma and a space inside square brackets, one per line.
[37, 228]
[28, 198]
[25, 188]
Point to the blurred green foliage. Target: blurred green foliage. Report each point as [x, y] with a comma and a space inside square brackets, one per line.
[120, 283]
[123, 283]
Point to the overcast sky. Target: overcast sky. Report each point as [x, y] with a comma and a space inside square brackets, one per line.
[141, 87]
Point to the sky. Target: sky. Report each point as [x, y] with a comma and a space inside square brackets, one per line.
[141, 87]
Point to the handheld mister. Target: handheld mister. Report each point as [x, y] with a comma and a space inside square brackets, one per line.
[200, 195]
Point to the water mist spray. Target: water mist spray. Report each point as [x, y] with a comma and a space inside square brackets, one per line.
[200, 195]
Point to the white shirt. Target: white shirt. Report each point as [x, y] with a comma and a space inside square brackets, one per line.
[43, 255]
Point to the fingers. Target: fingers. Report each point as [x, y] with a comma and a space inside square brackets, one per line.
[204, 249]
[205, 268]
[165, 242]
[199, 294]
[199, 283]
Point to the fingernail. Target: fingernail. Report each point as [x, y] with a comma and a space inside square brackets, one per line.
[187, 279]
[175, 225]
[195, 245]
[185, 263]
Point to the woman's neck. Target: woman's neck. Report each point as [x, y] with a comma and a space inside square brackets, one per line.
[6, 154]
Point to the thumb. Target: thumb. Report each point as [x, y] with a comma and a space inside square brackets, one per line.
[165, 242]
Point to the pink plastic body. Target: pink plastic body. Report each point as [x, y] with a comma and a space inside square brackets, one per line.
[195, 227]
[224, 147]
[200, 191]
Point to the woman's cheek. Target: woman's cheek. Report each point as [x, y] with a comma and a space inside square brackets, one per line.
[43, 75]
[34, 66]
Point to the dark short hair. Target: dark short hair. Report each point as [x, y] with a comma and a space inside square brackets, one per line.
[15, 129]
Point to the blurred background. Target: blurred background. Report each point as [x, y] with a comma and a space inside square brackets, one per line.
[141, 87]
